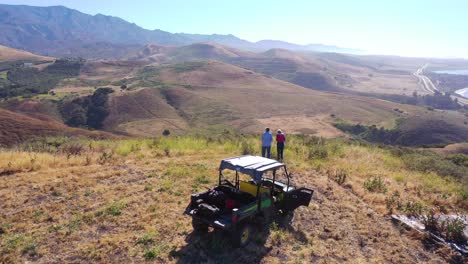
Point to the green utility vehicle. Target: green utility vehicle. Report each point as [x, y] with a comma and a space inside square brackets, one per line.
[233, 205]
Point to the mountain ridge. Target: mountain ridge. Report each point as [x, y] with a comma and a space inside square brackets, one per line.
[59, 31]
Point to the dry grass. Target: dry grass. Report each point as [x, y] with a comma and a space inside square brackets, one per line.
[120, 201]
[17, 128]
[10, 54]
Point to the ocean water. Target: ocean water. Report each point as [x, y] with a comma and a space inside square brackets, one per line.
[463, 92]
[456, 72]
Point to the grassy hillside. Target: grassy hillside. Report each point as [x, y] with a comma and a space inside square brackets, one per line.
[10, 54]
[16, 128]
[210, 94]
[326, 72]
[424, 130]
[192, 95]
[110, 201]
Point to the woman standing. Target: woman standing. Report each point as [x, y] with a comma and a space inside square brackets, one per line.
[280, 139]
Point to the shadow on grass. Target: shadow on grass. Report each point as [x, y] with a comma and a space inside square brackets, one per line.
[215, 246]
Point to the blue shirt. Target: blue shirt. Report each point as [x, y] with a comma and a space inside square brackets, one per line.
[267, 138]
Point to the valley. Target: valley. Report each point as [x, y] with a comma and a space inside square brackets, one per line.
[108, 128]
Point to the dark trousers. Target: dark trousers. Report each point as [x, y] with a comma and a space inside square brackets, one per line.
[279, 149]
[267, 150]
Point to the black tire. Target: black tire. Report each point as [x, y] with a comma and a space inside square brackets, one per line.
[199, 226]
[267, 215]
[242, 235]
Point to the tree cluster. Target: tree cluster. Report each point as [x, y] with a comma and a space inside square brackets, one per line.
[89, 111]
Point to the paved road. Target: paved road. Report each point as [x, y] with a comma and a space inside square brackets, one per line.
[429, 86]
[424, 80]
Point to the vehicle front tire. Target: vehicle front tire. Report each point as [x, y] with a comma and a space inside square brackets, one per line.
[199, 226]
[242, 235]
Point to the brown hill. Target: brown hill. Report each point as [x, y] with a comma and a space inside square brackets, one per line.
[197, 51]
[204, 95]
[15, 128]
[325, 72]
[10, 54]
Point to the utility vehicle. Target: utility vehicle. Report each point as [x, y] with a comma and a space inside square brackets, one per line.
[233, 205]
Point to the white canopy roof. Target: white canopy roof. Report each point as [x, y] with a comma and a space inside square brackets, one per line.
[254, 166]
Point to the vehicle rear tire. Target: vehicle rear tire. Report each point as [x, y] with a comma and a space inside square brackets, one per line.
[241, 235]
[199, 226]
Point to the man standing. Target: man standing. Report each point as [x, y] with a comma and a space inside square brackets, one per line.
[280, 139]
[267, 138]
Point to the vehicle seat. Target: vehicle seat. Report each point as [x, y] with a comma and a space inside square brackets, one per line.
[251, 188]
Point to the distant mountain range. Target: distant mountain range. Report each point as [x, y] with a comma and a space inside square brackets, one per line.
[60, 31]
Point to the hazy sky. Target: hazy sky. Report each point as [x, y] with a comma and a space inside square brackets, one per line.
[436, 28]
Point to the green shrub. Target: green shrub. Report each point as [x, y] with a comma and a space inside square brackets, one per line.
[148, 188]
[413, 208]
[150, 254]
[115, 209]
[247, 148]
[147, 239]
[74, 224]
[155, 252]
[453, 229]
[375, 184]
[459, 159]
[11, 243]
[393, 202]
[431, 222]
[30, 249]
[318, 152]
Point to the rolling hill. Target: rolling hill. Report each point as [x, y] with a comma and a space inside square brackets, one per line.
[9, 54]
[210, 87]
[326, 72]
[16, 128]
[207, 94]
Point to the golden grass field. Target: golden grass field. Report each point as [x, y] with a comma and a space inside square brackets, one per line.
[116, 201]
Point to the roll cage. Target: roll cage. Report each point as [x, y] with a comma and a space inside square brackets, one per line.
[255, 167]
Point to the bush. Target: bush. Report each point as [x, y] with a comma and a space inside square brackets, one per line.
[318, 152]
[413, 208]
[72, 149]
[337, 175]
[166, 132]
[431, 222]
[155, 252]
[393, 202]
[247, 148]
[375, 184]
[453, 230]
[459, 159]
